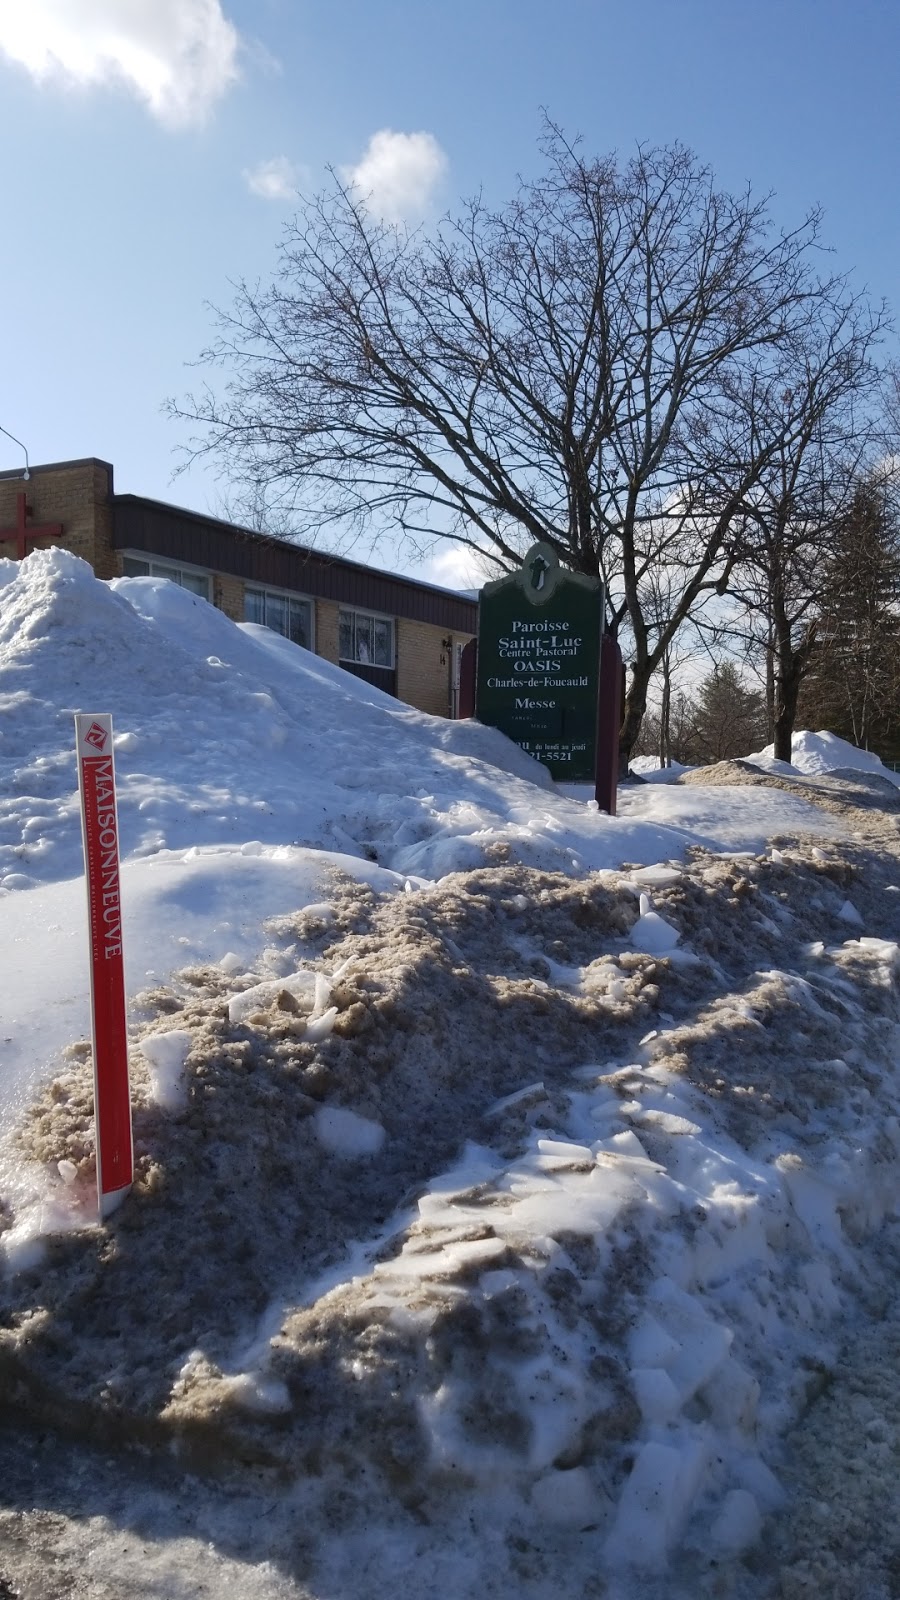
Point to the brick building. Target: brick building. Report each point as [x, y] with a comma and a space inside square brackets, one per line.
[404, 636]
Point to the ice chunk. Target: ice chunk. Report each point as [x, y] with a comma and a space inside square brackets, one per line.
[256, 1392]
[738, 1524]
[345, 1134]
[751, 1471]
[555, 1153]
[658, 877]
[165, 1055]
[668, 1122]
[568, 1499]
[557, 1408]
[446, 1261]
[705, 1344]
[848, 913]
[586, 1204]
[322, 994]
[815, 1203]
[499, 1281]
[320, 1027]
[625, 1143]
[651, 1346]
[531, 1091]
[657, 1395]
[886, 948]
[652, 933]
[732, 1394]
[301, 985]
[654, 1504]
[22, 1245]
[559, 1147]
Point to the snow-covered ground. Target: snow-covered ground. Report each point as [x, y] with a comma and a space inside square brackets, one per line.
[509, 1177]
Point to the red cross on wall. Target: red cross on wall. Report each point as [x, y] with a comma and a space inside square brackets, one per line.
[22, 533]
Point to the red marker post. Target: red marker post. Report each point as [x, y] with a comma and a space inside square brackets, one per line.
[112, 1096]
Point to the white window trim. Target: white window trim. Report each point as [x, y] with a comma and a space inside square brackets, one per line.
[376, 616]
[288, 594]
[163, 561]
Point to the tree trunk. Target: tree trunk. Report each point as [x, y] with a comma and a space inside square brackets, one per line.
[791, 662]
[785, 716]
[633, 707]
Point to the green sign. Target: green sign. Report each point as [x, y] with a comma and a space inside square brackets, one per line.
[539, 662]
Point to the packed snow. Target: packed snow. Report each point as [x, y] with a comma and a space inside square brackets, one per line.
[509, 1178]
[823, 752]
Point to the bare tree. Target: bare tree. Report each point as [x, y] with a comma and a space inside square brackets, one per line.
[821, 408]
[665, 719]
[562, 368]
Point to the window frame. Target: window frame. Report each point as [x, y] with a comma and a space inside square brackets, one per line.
[370, 616]
[266, 589]
[150, 561]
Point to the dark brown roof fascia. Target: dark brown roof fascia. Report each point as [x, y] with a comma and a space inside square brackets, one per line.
[176, 534]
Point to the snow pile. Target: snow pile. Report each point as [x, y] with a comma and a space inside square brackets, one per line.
[815, 753]
[648, 768]
[231, 734]
[247, 769]
[499, 1165]
[612, 1330]
[598, 1320]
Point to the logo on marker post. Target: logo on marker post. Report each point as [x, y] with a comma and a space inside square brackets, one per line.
[96, 736]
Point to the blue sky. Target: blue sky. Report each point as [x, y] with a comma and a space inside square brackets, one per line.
[150, 149]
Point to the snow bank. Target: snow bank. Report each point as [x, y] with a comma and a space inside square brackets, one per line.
[228, 734]
[500, 1165]
[815, 753]
[599, 1318]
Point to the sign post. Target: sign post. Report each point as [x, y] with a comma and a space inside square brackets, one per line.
[538, 675]
[609, 716]
[112, 1097]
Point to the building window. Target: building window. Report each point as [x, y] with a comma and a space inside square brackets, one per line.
[283, 613]
[366, 639]
[196, 582]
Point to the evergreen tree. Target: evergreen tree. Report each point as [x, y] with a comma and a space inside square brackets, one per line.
[853, 686]
[729, 720]
[723, 721]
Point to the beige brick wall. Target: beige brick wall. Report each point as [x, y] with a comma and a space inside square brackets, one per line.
[424, 665]
[326, 635]
[228, 595]
[107, 562]
[78, 497]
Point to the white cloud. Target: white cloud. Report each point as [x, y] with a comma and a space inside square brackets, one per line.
[453, 566]
[178, 56]
[398, 173]
[274, 180]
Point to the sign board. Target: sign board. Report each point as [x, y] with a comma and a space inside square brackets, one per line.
[539, 636]
[112, 1096]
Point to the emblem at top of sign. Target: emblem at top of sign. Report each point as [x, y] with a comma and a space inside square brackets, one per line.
[540, 575]
[96, 736]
